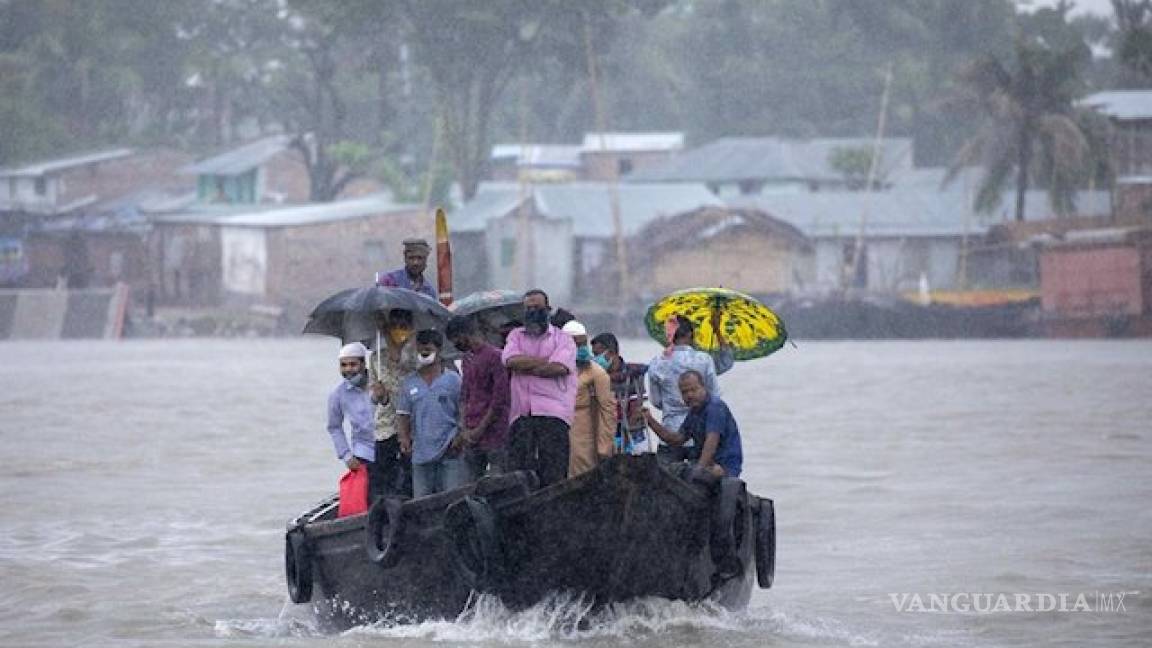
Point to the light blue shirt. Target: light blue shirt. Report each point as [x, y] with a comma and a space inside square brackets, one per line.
[352, 404]
[433, 411]
[664, 382]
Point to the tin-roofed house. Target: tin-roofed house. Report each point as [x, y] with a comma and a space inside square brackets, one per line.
[742, 249]
[535, 162]
[735, 166]
[608, 156]
[284, 256]
[556, 236]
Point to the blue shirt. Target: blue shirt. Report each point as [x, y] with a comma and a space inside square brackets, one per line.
[433, 411]
[353, 404]
[400, 279]
[715, 417]
[664, 382]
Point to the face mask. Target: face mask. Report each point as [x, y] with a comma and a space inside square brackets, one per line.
[583, 355]
[358, 380]
[399, 335]
[603, 361]
[536, 320]
[425, 360]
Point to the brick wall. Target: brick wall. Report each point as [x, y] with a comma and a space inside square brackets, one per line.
[286, 175]
[750, 263]
[153, 169]
[309, 262]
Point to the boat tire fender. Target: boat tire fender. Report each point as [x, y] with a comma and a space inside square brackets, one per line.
[765, 543]
[474, 535]
[385, 523]
[298, 566]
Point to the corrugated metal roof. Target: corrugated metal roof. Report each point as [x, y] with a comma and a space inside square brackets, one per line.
[1123, 105]
[587, 204]
[240, 160]
[492, 200]
[287, 216]
[902, 213]
[62, 164]
[539, 155]
[638, 141]
[732, 159]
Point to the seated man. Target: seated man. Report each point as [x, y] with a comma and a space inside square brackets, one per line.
[709, 424]
[427, 410]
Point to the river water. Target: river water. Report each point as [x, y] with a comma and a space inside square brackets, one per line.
[144, 487]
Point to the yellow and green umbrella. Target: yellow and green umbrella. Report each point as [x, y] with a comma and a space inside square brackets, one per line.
[748, 326]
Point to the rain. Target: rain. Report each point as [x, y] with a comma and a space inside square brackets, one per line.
[920, 230]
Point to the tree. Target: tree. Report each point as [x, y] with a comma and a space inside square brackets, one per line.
[1029, 123]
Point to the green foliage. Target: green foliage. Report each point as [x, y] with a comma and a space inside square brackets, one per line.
[853, 163]
[1029, 126]
[207, 73]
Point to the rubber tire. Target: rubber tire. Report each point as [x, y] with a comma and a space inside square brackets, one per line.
[298, 566]
[765, 543]
[728, 522]
[382, 531]
[474, 539]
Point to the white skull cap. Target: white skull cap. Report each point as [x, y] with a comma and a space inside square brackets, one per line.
[574, 328]
[354, 350]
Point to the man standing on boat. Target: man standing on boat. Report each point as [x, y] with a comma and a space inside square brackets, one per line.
[411, 276]
[387, 366]
[593, 434]
[629, 390]
[542, 360]
[664, 377]
[709, 424]
[350, 402]
[483, 398]
[427, 411]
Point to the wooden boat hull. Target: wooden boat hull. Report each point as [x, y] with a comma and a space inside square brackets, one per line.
[629, 528]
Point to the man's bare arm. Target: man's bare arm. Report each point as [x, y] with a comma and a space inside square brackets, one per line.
[666, 435]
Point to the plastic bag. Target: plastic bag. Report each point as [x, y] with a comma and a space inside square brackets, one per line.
[353, 492]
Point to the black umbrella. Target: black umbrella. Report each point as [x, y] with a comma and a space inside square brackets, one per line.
[492, 310]
[353, 315]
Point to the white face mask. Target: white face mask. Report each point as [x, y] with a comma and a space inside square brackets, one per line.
[425, 360]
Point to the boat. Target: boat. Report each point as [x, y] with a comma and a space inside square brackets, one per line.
[631, 527]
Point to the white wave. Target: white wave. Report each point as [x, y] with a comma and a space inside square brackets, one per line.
[560, 616]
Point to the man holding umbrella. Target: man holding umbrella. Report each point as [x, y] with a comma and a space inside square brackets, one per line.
[387, 367]
[411, 276]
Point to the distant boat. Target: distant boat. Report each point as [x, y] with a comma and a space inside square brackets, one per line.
[629, 528]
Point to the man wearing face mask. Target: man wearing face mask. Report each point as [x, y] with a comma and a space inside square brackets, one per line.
[387, 366]
[542, 360]
[427, 411]
[411, 276]
[349, 402]
[628, 388]
[483, 399]
[593, 432]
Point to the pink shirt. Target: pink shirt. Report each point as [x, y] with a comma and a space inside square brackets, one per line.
[536, 396]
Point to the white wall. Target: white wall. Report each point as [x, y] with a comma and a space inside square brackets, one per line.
[244, 257]
[551, 266]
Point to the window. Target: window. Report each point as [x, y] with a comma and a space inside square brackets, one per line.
[41, 186]
[624, 166]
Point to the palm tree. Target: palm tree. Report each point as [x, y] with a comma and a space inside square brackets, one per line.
[1030, 126]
